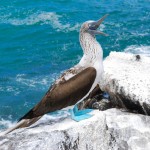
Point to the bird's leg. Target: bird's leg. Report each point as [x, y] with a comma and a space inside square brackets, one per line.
[80, 111]
[92, 97]
[97, 99]
[82, 114]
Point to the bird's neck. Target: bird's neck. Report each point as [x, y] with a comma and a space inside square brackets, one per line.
[91, 48]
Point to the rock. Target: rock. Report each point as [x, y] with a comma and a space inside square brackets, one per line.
[127, 80]
[127, 131]
[100, 101]
[63, 134]
[107, 130]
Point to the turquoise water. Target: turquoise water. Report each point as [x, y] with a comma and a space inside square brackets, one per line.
[39, 39]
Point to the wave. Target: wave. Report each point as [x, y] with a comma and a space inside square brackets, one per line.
[29, 83]
[54, 117]
[50, 18]
[102, 27]
[4, 124]
[40, 81]
[144, 50]
[50, 118]
[10, 89]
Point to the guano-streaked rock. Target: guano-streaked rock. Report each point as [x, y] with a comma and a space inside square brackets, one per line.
[127, 80]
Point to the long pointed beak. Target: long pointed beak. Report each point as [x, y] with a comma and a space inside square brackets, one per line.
[101, 20]
[94, 25]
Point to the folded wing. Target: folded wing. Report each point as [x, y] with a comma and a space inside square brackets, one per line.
[64, 93]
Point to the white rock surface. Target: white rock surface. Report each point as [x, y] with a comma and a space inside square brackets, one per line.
[127, 80]
[128, 131]
[60, 134]
[107, 130]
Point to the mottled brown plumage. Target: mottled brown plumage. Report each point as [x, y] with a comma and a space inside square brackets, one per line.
[64, 94]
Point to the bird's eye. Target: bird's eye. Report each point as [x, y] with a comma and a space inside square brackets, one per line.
[91, 26]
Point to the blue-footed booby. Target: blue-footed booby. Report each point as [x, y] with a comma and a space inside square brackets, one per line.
[75, 84]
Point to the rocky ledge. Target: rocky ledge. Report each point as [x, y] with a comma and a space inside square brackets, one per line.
[127, 81]
[107, 130]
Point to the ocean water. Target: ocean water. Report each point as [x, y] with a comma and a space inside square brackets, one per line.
[40, 39]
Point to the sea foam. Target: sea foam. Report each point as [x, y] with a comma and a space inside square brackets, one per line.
[46, 119]
[144, 50]
[6, 123]
[40, 82]
[41, 18]
[10, 89]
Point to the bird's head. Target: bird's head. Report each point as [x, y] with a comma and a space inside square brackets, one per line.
[92, 26]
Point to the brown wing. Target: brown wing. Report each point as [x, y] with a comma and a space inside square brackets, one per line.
[64, 94]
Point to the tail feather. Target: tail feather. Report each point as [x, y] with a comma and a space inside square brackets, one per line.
[28, 116]
[21, 124]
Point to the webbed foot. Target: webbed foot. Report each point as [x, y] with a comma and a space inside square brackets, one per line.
[79, 115]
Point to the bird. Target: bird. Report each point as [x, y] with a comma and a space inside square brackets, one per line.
[76, 83]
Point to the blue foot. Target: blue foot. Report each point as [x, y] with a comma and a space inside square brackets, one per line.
[79, 115]
[106, 95]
